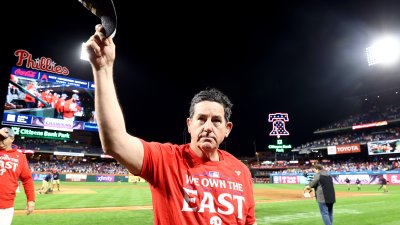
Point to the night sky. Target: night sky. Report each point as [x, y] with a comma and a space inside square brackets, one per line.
[306, 59]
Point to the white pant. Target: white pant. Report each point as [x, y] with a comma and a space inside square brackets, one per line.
[6, 216]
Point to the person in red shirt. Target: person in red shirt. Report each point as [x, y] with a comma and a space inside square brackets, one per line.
[44, 95]
[71, 107]
[54, 99]
[200, 183]
[29, 100]
[13, 166]
[60, 105]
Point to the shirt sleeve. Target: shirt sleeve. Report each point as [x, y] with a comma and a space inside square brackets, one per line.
[155, 162]
[27, 181]
[315, 180]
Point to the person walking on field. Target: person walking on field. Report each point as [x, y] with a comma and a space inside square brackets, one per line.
[324, 193]
[347, 180]
[13, 166]
[358, 182]
[383, 184]
[179, 175]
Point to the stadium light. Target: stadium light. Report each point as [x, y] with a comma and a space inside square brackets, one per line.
[384, 51]
[84, 53]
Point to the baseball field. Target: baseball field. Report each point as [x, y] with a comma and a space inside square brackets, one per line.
[80, 203]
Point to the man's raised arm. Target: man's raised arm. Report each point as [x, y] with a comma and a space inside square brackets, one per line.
[115, 140]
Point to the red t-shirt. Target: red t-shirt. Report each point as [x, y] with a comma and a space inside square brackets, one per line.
[190, 190]
[13, 165]
[31, 89]
[70, 108]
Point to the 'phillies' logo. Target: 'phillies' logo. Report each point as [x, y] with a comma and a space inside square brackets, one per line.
[42, 63]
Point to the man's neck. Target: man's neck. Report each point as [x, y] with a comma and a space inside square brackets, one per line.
[211, 155]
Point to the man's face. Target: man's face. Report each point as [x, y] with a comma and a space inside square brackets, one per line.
[5, 139]
[208, 127]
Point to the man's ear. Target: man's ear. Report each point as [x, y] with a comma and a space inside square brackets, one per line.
[229, 127]
[188, 123]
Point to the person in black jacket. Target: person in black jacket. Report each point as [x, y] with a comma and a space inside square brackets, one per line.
[347, 180]
[383, 184]
[324, 193]
[358, 182]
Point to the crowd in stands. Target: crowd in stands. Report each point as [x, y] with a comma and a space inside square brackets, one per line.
[39, 144]
[390, 112]
[112, 167]
[384, 165]
[78, 166]
[353, 137]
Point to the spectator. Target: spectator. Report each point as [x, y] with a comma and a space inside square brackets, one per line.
[347, 180]
[358, 182]
[71, 107]
[9, 177]
[383, 184]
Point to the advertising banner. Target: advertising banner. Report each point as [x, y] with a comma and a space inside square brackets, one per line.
[344, 149]
[101, 178]
[384, 147]
[76, 177]
[393, 178]
[38, 176]
[289, 179]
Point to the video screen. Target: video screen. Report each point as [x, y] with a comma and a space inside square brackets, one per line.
[384, 147]
[42, 100]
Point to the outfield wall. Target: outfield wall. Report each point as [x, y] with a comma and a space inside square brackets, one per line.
[392, 177]
[81, 177]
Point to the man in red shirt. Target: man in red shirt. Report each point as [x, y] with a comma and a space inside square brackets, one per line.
[29, 100]
[60, 105]
[194, 183]
[13, 165]
[71, 107]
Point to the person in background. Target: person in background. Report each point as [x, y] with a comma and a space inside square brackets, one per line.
[324, 193]
[44, 96]
[19, 187]
[54, 99]
[30, 101]
[46, 184]
[13, 92]
[358, 182]
[56, 179]
[93, 118]
[383, 184]
[60, 106]
[71, 107]
[185, 168]
[347, 180]
[13, 166]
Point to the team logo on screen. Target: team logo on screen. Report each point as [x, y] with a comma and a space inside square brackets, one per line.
[278, 124]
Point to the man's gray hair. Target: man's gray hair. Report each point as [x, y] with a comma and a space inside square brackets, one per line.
[10, 132]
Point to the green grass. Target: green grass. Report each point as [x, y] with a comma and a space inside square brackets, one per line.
[377, 208]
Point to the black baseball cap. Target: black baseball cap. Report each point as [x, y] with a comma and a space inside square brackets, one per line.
[105, 10]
